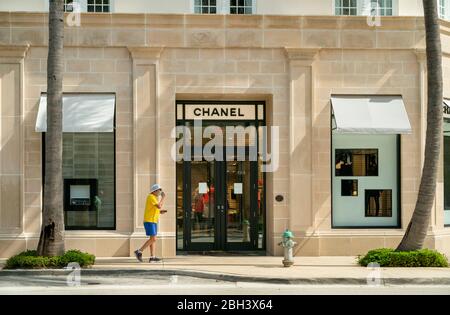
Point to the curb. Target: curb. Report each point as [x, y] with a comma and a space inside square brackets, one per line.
[145, 273]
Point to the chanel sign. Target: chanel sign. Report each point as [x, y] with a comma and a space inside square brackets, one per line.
[446, 110]
[220, 112]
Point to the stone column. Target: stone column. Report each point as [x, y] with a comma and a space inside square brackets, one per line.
[12, 148]
[145, 134]
[301, 64]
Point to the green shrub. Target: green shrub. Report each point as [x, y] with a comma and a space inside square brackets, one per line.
[83, 259]
[30, 260]
[28, 253]
[380, 256]
[388, 257]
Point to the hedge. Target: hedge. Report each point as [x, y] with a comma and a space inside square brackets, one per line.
[30, 260]
[388, 257]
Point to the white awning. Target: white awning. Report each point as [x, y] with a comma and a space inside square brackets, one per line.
[370, 115]
[81, 113]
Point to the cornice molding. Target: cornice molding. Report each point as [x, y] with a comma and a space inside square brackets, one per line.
[145, 53]
[421, 55]
[304, 55]
[17, 52]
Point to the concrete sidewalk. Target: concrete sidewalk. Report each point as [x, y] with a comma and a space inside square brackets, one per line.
[306, 270]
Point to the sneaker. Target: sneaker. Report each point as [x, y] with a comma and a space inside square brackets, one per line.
[138, 255]
[154, 259]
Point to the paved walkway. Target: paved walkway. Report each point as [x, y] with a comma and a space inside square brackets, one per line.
[271, 267]
[306, 270]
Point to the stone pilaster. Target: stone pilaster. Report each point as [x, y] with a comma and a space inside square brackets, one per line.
[145, 132]
[301, 69]
[12, 144]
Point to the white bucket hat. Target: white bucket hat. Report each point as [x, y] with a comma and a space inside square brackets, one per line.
[155, 187]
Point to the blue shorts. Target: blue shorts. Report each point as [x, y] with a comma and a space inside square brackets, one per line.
[151, 229]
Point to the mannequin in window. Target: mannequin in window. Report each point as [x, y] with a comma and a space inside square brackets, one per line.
[339, 164]
[344, 165]
[375, 195]
[372, 166]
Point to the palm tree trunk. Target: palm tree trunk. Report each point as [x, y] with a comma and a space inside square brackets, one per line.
[51, 241]
[417, 229]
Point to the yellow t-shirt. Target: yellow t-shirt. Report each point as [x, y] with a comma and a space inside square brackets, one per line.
[151, 213]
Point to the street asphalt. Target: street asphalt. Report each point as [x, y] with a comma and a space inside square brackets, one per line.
[229, 275]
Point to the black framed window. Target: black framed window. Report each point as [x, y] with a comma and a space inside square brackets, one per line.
[241, 6]
[349, 187]
[366, 189]
[384, 7]
[205, 6]
[443, 9]
[98, 6]
[356, 162]
[346, 7]
[89, 179]
[378, 203]
[446, 128]
[68, 6]
[90, 156]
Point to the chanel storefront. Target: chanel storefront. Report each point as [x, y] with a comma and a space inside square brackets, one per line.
[251, 126]
[220, 178]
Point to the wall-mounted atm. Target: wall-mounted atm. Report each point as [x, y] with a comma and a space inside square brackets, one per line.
[79, 194]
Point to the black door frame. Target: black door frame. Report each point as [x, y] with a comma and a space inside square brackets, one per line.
[220, 212]
[220, 221]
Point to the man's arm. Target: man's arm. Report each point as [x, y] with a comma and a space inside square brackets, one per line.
[163, 197]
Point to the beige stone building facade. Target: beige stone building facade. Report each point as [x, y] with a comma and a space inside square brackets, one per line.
[291, 65]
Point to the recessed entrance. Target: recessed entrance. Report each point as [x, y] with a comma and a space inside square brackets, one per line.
[220, 183]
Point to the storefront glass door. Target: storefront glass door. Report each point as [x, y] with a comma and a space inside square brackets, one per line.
[220, 209]
[220, 202]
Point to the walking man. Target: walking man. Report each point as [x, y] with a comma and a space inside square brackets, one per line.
[151, 217]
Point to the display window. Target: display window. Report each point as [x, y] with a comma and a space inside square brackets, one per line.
[365, 181]
[446, 149]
